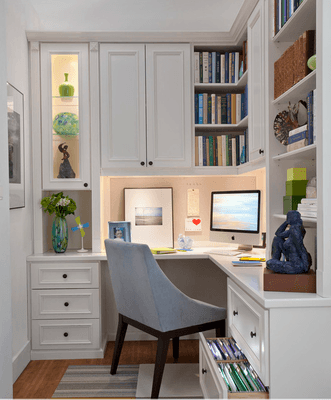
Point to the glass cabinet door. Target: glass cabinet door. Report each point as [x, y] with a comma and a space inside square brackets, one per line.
[65, 116]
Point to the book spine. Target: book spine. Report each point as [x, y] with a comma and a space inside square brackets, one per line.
[205, 108]
[297, 130]
[314, 117]
[224, 150]
[310, 117]
[196, 108]
[205, 77]
[226, 63]
[219, 150]
[210, 68]
[215, 150]
[200, 108]
[232, 67]
[213, 108]
[211, 151]
[209, 110]
[297, 145]
[201, 66]
[229, 150]
[196, 143]
[204, 147]
[200, 151]
[242, 149]
[207, 151]
[228, 108]
[218, 67]
[238, 108]
[233, 108]
[224, 108]
[196, 67]
[219, 109]
[296, 137]
[222, 68]
[213, 67]
[276, 25]
[236, 66]
[234, 151]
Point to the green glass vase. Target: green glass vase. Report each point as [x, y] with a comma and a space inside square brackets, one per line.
[60, 235]
[65, 89]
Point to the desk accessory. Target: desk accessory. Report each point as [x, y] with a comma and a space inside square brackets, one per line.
[119, 230]
[82, 232]
[163, 250]
[184, 242]
[246, 263]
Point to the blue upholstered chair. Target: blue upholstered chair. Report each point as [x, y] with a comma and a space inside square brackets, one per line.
[147, 300]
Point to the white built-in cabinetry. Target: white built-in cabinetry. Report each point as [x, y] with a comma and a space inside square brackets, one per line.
[145, 106]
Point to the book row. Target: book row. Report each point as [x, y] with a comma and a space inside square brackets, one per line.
[216, 67]
[222, 151]
[228, 108]
[291, 67]
[308, 207]
[283, 10]
[305, 135]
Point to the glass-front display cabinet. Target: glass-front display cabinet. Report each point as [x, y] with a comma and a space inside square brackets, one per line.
[65, 116]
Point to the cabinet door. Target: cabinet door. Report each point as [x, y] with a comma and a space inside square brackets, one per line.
[168, 105]
[65, 116]
[122, 88]
[256, 100]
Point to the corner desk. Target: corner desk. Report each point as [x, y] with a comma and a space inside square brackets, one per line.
[284, 335]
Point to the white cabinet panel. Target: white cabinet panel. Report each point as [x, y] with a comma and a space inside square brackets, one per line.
[122, 77]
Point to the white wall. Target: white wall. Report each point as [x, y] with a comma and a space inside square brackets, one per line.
[6, 390]
[21, 222]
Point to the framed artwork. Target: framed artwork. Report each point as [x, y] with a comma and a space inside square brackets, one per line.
[119, 230]
[15, 114]
[151, 215]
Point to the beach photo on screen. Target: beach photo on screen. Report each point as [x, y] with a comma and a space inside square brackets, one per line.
[148, 215]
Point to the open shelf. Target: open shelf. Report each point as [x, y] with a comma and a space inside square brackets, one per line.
[243, 124]
[305, 153]
[308, 221]
[223, 86]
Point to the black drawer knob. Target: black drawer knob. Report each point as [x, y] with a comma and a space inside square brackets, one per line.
[66, 304]
[150, 163]
[66, 334]
[235, 313]
[142, 163]
[253, 334]
[85, 184]
[64, 276]
[204, 371]
[261, 151]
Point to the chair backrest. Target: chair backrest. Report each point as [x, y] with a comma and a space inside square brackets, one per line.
[142, 291]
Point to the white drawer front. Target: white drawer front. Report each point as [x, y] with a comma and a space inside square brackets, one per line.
[63, 334]
[64, 275]
[69, 303]
[248, 324]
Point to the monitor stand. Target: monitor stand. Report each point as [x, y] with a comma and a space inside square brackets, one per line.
[245, 247]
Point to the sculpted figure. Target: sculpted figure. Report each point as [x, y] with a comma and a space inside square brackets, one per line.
[289, 242]
[65, 170]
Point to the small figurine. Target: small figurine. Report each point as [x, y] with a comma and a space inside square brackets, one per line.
[289, 242]
[65, 170]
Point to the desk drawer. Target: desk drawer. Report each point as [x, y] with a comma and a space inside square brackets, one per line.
[64, 334]
[248, 324]
[68, 303]
[227, 378]
[64, 275]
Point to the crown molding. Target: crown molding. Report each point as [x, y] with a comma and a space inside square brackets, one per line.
[238, 31]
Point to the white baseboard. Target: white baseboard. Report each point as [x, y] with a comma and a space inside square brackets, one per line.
[139, 335]
[21, 360]
[66, 354]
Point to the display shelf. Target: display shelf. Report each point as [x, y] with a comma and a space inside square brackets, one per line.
[308, 221]
[303, 19]
[305, 153]
[223, 86]
[243, 124]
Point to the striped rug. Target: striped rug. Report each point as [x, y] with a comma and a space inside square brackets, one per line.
[92, 381]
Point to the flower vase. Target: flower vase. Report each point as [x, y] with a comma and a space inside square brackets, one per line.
[60, 234]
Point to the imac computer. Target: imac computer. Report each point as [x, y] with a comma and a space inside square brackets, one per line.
[235, 218]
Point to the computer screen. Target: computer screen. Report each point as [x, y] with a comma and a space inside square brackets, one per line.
[235, 216]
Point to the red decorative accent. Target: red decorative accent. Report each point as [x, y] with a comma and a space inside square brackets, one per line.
[196, 221]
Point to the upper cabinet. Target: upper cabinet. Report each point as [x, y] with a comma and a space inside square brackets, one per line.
[145, 106]
[65, 121]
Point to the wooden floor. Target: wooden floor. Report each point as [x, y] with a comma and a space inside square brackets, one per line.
[40, 378]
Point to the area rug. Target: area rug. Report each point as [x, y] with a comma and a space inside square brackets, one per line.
[93, 381]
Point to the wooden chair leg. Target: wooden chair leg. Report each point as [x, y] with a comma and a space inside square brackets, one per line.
[121, 331]
[220, 330]
[175, 348]
[161, 355]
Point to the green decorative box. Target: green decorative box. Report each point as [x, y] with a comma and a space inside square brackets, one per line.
[296, 188]
[296, 174]
[291, 203]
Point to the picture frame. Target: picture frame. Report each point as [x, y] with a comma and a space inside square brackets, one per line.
[150, 211]
[15, 115]
[119, 230]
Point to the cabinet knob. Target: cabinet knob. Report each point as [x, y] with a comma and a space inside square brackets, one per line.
[66, 334]
[64, 276]
[204, 371]
[66, 304]
[253, 334]
[85, 184]
[150, 163]
[235, 313]
[142, 163]
[261, 151]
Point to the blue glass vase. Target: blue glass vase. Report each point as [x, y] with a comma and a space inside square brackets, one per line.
[60, 234]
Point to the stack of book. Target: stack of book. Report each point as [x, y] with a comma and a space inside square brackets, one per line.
[298, 138]
[291, 67]
[215, 67]
[308, 207]
[284, 9]
[228, 108]
[223, 150]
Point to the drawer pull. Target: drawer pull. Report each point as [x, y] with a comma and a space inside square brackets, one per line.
[253, 334]
[64, 276]
[204, 371]
[235, 313]
[66, 334]
[66, 304]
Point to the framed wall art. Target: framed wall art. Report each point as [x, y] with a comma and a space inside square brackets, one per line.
[15, 113]
[119, 230]
[151, 215]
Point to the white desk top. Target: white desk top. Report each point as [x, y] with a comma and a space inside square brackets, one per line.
[250, 279]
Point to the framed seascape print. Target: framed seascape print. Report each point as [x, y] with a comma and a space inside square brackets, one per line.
[150, 212]
[119, 230]
[15, 116]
